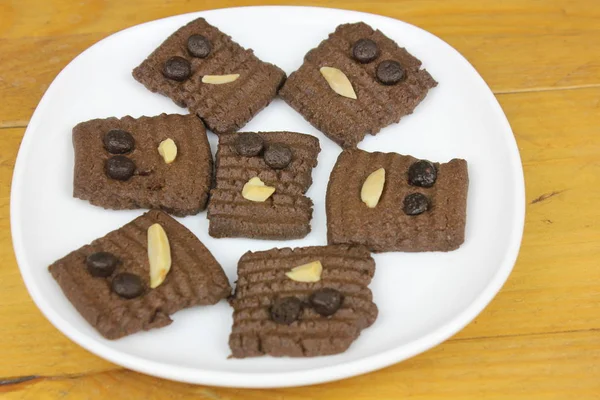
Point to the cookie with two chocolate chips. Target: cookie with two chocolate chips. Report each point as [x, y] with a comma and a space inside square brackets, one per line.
[388, 83]
[281, 160]
[422, 205]
[118, 165]
[108, 280]
[179, 66]
[279, 316]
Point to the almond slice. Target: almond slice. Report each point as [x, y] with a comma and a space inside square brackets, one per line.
[256, 190]
[159, 255]
[310, 272]
[338, 82]
[256, 181]
[168, 150]
[372, 188]
[219, 79]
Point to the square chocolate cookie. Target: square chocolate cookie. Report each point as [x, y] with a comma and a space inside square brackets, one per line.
[201, 68]
[302, 302]
[112, 285]
[261, 181]
[149, 162]
[392, 202]
[355, 83]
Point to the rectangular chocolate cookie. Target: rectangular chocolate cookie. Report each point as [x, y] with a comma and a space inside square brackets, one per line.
[195, 278]
[431, 220]
[223, 107]
[286, 214]
[347, 120]
[276, 315]
[140, 177]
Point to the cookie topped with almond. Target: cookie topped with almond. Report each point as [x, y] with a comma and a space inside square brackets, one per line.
[261, 181]
[355, 83]
[135, 277]
[203, 69]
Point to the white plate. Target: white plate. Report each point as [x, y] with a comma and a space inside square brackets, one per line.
[423, 298]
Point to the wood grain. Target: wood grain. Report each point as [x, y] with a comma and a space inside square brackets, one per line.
[59, 17]
[543, 367]
[516, 45]
[556, 283]
[538, 339]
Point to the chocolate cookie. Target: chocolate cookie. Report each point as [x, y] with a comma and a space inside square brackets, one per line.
[138, 176]
[118, 301]
[278, 316]
[177, 67]
[422, 206]
[388, 81]
[286, 214]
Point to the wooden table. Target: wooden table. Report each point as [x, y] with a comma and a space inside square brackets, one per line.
[538, 339]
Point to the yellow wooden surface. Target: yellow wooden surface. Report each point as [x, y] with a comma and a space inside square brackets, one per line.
[538, 339]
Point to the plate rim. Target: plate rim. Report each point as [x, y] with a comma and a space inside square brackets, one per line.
[270, 379]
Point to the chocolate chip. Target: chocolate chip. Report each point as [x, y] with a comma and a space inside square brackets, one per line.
[415, 204]
[326, 301]
[177, 68]
[101, 264]
[390, 72]
[119, 167]
[278, 156]
[248, 144]
[286, 310]
[199, 46]
[365, 50]
[117, 141]
[422, 173]
[127, 285]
